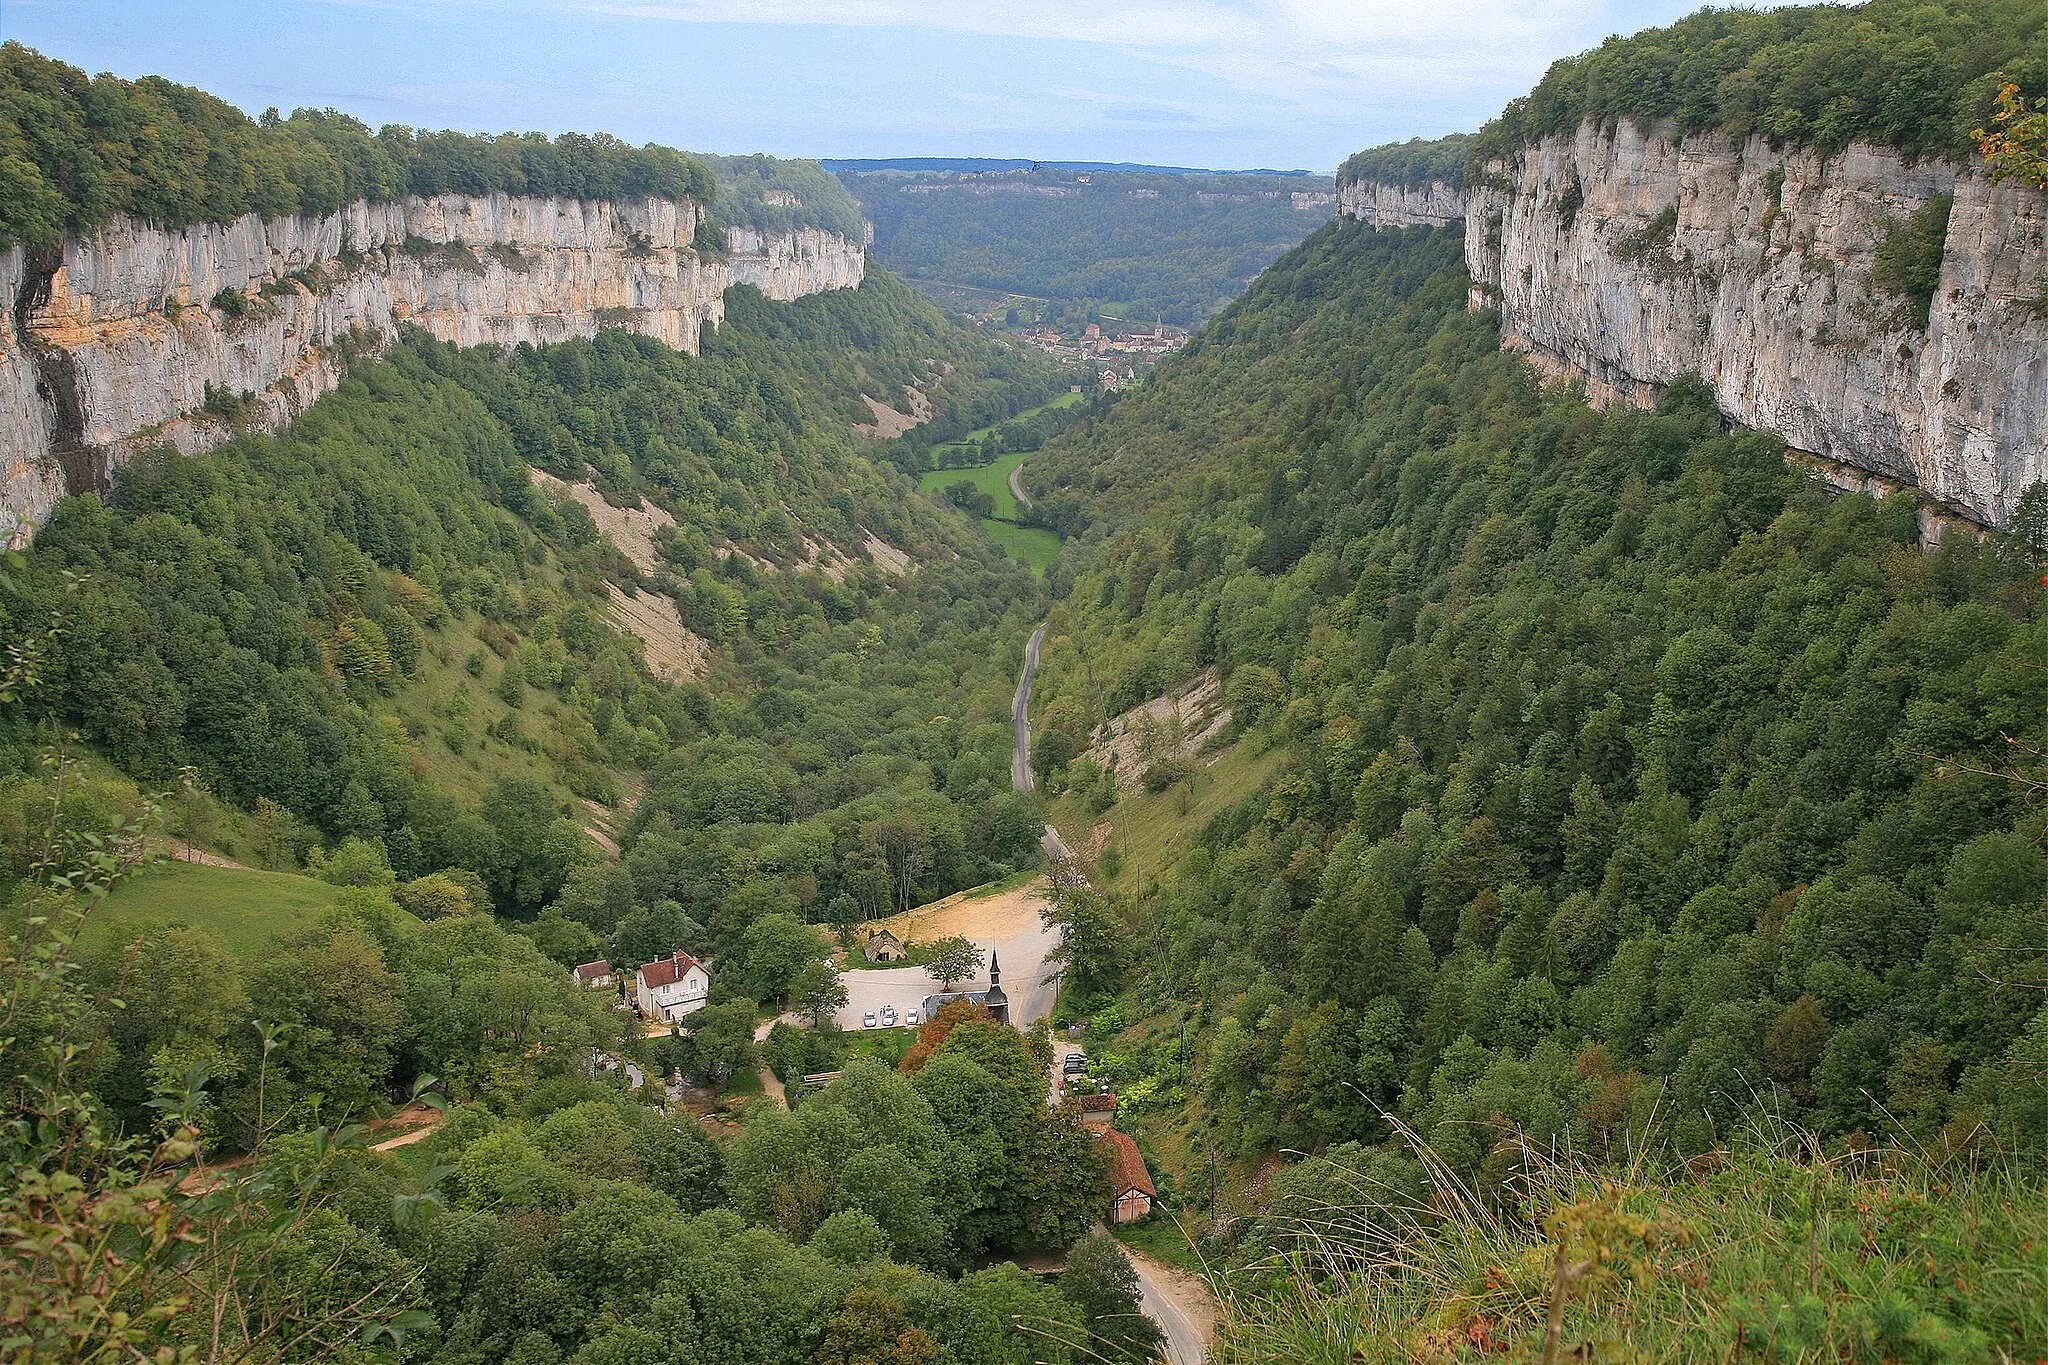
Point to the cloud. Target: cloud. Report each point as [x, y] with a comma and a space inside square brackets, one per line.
[1279, 47]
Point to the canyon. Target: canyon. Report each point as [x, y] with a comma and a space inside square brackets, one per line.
[132, 335]
[1627, 256]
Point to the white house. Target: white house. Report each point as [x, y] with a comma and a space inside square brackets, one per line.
[671, 987]
[593, 976]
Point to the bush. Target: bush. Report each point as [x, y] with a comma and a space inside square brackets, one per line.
[1908, 261]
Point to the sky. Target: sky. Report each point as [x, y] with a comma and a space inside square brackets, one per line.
[1220, 83]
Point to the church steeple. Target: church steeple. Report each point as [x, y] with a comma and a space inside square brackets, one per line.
[994, 998]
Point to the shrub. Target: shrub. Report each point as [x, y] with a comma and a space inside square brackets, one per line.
[1908, 261]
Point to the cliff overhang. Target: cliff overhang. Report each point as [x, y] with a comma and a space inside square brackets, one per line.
[134, 335]
[1627, 256]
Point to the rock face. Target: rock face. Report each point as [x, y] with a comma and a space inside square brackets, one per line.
[1628, 257]
[119, 341]
[1385, 205]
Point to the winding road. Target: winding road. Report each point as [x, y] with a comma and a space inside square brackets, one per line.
[1177, 1301]
[1017, 490]
[1020, 728]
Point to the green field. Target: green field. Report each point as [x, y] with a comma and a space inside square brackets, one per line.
[247, 909]
[1034, 545]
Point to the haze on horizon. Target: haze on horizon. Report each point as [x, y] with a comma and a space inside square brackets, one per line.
[1215, 83]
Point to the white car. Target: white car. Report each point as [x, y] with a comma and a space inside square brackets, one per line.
[868, 1020]
[911, 1018]
[888, 1016]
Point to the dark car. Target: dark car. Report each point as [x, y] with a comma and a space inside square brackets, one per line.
[1076, 1063]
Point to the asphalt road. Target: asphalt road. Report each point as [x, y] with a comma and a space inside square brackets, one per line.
[1020, 750]
[1172, 1301]
[1017, 490]
[1180, 1303]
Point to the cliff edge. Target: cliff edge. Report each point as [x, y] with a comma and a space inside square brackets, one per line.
[131, 334]
[1628, 256]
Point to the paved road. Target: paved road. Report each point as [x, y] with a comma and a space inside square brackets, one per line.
[1020, 753]
[1179, 1303]
[1017, 489]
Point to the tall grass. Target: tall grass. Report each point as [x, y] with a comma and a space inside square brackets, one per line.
[1771, 1253]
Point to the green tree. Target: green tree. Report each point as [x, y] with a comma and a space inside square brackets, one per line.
[952, 959]
[872, 1329]
[774, 956]
[818, 992]
[1100, 1281]
[1091, 936]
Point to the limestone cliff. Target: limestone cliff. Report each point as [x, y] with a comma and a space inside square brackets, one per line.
[1384, 204]
[119, 340]
[1628, 256]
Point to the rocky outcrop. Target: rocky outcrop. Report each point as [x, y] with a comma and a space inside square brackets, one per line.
[1382, 204]
[135, 335]
[1628, 257]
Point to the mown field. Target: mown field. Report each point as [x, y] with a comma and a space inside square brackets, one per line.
[1034, 545]
[246, 908]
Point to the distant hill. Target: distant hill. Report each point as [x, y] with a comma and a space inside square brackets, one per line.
[1146, 242]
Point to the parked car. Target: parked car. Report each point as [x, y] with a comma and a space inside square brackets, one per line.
[1076, 1063]
[910, 1018]
[868, 1020]
[888, 1016]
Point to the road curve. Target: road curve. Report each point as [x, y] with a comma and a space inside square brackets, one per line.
[1017, 489]
[1020, 754]
[1179, 1303]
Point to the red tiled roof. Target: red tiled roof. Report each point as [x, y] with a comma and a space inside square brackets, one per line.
[1127, 1166]
[1097, 1104]
[591, 971]
[668, 970]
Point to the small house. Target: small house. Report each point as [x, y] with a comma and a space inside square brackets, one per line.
[1130, 1184]
[593, 976]
[671, 987]
[883, 946]
[1098, 1112]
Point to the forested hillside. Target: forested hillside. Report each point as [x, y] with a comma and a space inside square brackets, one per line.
[383, 646]
[77, 150]
[1148, 245]
[1919, 77]
[1635, 795]
[367, 617]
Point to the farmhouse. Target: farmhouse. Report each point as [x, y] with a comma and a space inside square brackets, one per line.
[593, 976]
[882, 946]
[1097, 1111]
[671, 987]
[1130, 1183]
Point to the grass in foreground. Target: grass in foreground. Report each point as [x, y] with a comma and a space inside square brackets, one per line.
[1891, 1258]
[245, 908]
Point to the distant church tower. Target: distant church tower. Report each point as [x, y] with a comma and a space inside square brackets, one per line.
[997, 1002]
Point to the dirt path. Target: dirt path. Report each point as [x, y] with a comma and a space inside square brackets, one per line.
[186, 853]
[428, 1118]
[771, 1084]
